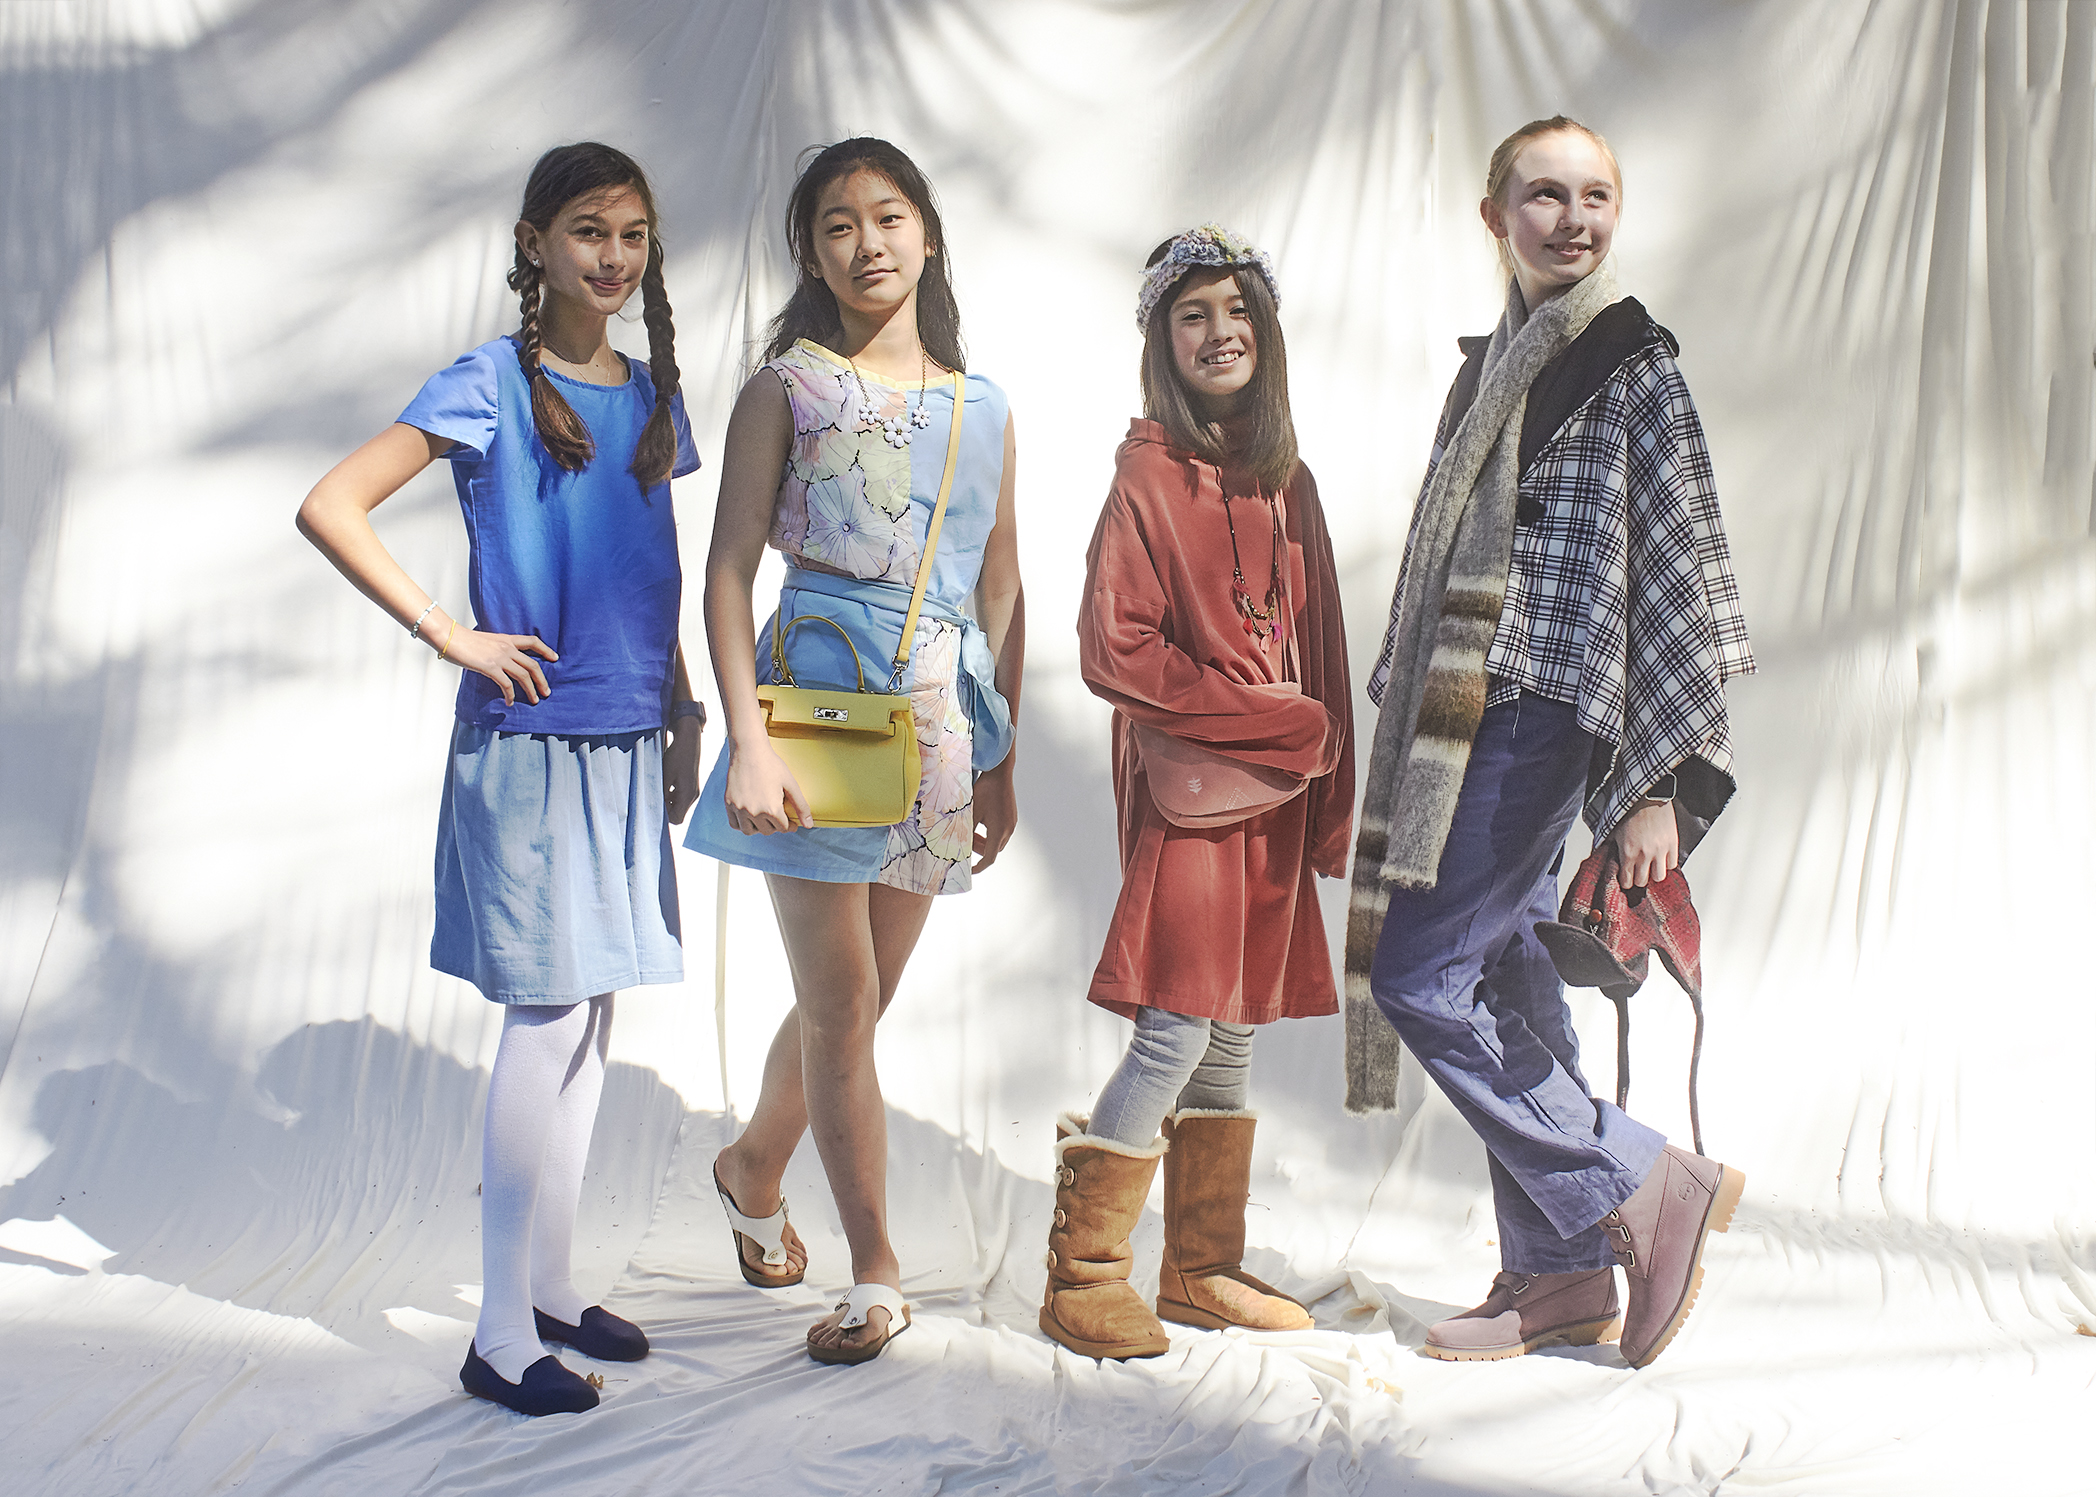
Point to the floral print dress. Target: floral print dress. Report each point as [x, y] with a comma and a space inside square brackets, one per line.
[852, 503]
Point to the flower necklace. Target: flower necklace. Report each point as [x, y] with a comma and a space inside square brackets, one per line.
[1268, 621]
[895, 430]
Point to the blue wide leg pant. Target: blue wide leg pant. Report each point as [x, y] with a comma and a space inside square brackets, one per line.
[1471, 992]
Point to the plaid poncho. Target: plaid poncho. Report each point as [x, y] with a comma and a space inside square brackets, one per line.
[1620, 600]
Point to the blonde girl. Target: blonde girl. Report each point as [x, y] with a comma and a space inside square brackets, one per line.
[1564, 623]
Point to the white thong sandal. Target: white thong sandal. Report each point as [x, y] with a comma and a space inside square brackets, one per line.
[766, 1232]
[865, 1297]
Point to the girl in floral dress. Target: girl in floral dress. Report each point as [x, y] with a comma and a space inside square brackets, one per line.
[835, 454]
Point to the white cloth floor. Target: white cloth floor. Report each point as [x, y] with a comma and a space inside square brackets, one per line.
[239, 1115]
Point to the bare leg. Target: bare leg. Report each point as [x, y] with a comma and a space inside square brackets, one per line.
[752, 1167]
[836, 935]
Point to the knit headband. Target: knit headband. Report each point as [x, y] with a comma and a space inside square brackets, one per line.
[1210, 244]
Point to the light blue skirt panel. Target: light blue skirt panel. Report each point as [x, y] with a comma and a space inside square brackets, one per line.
[554, 875]
[872, 614]
[831, 854]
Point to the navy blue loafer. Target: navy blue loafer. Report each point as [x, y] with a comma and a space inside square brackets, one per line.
[601, 1335]
[547, 1387]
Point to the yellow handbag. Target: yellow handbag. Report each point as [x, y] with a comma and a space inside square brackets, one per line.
[854, 753]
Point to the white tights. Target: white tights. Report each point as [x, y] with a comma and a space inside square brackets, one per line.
[542, 1105]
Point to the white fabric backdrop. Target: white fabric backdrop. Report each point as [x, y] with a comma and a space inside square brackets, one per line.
[238, 1114]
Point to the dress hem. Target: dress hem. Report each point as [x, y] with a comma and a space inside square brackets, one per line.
[632, 977]
[1105, 995]
[813, 876]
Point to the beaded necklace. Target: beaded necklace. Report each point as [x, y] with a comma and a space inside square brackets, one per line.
[896, 430]
[1266, 622]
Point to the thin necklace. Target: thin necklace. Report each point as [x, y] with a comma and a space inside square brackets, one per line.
[592, 365]
[897, 430]
[1269, 622]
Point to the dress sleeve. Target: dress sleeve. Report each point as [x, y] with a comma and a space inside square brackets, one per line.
[458, 403]
[1126, 659]
[1321, 635]
[687, 450]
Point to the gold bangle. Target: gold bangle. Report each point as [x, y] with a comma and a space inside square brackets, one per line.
[447, 639]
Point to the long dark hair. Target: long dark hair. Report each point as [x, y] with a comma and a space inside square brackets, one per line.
[562, 175]
[811, 312]
[1264, 430]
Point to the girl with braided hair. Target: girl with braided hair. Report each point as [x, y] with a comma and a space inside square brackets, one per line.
[554, 880]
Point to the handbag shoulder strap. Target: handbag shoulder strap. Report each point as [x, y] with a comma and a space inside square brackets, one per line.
[931, 537]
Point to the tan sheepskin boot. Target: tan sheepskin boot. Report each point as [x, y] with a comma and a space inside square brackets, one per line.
[1100, 1187]
[1207, 1180]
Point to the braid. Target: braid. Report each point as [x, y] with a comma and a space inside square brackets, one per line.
[655, 455]
[567, 439]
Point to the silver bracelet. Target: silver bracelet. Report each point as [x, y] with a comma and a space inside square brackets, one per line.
[415, 630]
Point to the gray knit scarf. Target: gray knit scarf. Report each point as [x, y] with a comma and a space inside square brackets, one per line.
[1442, 623]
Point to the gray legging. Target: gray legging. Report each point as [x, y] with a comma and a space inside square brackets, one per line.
[1174, 1062]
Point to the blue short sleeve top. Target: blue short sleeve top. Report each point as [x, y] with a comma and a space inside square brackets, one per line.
[586, 561]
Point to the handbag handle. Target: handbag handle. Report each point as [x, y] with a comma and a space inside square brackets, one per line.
[781, 671]
[931, 539]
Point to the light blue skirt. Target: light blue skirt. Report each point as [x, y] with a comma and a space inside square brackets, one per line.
[554, 874]
[928, 851]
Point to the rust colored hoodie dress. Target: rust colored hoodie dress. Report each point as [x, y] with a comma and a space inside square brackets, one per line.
[1219, 922]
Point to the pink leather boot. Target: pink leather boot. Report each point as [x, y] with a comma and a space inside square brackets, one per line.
[1658, 1236]
[1528, 1310]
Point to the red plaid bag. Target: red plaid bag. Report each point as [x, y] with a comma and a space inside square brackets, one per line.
[1604, 937]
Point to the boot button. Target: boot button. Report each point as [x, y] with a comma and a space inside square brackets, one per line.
[1061, 1218]
[1064, 1175]
[1051, 1257]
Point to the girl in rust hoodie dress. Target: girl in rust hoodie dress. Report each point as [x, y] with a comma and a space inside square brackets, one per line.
[1211, 623]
